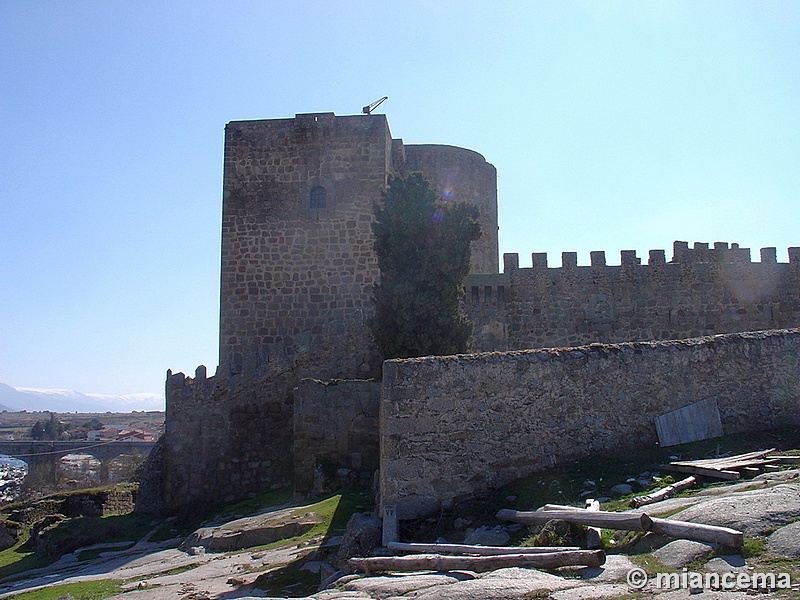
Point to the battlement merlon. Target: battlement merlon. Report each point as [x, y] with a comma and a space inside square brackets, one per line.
[681, 254]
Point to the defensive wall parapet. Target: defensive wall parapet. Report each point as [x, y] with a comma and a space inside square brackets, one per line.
[702, 290]
[455, 426]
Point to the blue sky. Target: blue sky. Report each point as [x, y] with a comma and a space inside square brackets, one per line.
[613, 125]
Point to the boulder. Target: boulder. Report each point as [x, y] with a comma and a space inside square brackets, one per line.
[501, 584]
[398, 585]
[726, 564]
[680, 553]
[486, 536]
[252, 531]
[785, 542]
[362, 535]
[753, 512]
[621, 489]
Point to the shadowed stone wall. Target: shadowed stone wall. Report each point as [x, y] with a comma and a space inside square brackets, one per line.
[455, 426]
[335, 433]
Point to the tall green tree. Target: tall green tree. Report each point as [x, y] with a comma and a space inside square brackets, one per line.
[423, 249]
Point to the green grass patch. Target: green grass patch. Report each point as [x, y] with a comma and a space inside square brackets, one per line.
[753, 547]
[189, 520]
[72, 534]
[252, 505]
[334, 511]
[85, 590]
[650, 564]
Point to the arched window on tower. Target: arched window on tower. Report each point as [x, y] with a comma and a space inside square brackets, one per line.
[318, 197]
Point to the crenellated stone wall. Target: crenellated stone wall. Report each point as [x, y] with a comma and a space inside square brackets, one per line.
[455, 426]
[230, 438]
[701, 291]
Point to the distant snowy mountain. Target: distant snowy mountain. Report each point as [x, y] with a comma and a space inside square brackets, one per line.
[63, 401]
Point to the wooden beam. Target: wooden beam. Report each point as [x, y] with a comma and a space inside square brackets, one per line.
[663, 493]
[705, 471]
[477, 550]
[698, 532]
[435, 562]
[606, 520]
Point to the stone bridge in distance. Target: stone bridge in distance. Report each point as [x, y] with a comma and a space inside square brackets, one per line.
[46, 472]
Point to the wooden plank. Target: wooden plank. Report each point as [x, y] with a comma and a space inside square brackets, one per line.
[785, 459]
[723, 460]
[697, 421]
[707, 472]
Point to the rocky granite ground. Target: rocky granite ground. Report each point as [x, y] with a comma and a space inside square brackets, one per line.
[766, 509]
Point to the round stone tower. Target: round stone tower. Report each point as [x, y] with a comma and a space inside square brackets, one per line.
[463, 175]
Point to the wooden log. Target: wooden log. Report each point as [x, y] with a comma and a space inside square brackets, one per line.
[593, 534]
[607, 520]
[436, 562]
[477, 550]
[663, 493]
[724, 536]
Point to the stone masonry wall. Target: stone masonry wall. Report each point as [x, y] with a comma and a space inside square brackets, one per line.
[335, 433]
[702, 291]
[455, 426]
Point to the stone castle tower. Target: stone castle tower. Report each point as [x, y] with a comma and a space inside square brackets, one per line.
[297, 258]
